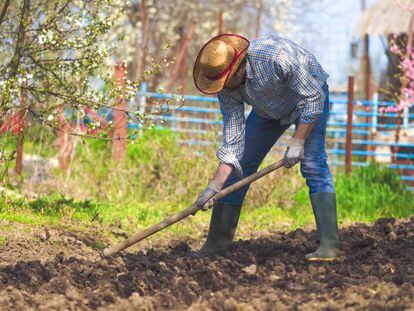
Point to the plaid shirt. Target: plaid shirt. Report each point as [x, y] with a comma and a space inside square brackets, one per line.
[283, 81]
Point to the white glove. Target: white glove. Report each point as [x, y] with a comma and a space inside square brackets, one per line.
[294, 152]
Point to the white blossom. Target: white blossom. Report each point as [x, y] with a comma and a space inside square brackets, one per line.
[41, 39]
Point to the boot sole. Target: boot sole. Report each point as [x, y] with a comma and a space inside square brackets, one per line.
[322, 259]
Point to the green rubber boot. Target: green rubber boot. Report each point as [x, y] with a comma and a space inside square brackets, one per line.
[324, 209]
[223, 225]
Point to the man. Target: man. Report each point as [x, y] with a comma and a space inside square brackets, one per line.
[284, 84]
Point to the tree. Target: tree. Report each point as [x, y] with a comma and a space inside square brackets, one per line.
[150, 26]
[54, 61]
[53, 52]
[59, 54]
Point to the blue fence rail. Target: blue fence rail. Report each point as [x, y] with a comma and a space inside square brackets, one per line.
[199, 119]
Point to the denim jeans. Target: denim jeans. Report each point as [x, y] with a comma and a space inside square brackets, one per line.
[260, 136]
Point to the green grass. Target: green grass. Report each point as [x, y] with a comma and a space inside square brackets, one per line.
[373, 192]
[160, 177]
[368, 194]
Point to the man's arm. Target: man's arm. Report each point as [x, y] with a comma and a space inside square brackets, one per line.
[309, 89]
[303, 130]
[303, 83]
[230, 153]
[222, 173]
[234, 123]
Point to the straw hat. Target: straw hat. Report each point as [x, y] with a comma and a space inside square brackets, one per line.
[217, 61]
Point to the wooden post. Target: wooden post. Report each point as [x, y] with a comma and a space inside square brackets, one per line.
[120, 130]
[348, 157]
[368, 88]
[367, 80]
[397, 137]
[399, 120]
[145, 36]
[21, 124]
[183, 74]
[180, 59]
[220, 22]
[410, 33]
[259, 17]
[20, 141]
[367, 68]
[65, 141]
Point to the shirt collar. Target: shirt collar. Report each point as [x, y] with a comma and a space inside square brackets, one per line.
[249, 73]
[249, 76]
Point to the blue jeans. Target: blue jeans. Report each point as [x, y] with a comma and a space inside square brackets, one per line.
[260, 136]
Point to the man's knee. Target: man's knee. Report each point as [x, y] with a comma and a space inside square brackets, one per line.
[312, 165]
[316, 172]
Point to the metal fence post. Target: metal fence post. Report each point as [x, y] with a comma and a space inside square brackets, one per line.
[374, 121]
[406, 115]
[120, 131]
[143, 99]
[348, 157]
[142, 105]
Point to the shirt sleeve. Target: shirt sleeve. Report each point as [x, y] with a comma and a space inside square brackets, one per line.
[234, 122]
[303, 83]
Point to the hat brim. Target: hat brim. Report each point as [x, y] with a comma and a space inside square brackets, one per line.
[211, 87]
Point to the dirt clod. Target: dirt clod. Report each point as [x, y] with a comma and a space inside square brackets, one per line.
[251, 270]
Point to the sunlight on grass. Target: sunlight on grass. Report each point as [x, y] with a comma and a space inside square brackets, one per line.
[159, 179]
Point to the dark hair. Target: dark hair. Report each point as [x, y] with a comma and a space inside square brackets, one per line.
[242, 63]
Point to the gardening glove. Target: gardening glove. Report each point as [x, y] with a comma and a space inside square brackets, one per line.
[205, 199]
[294, 152]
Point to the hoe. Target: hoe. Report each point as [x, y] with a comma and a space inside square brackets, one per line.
[187, 212]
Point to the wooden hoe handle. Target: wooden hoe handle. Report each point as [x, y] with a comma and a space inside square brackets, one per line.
[189, 211]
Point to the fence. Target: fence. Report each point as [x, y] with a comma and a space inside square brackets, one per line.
[358, 131]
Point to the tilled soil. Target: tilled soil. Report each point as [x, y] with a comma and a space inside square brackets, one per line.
[267, 273]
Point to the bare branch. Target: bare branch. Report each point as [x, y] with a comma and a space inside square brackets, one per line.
[84, 135]
[15, 62]
[4, 10]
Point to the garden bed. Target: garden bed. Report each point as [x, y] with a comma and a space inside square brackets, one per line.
[58, 270]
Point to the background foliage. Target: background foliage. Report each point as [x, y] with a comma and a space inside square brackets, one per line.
[161, 177]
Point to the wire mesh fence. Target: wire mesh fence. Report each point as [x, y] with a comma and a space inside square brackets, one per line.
[377, 135]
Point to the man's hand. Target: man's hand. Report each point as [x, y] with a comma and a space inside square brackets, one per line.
[216, 184]
[296, 146]
[205, 199]
[294, 152]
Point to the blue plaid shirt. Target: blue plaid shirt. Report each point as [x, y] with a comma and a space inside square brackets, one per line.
[283, 81]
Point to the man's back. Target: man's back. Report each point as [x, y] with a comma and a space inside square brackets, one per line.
[275, 48]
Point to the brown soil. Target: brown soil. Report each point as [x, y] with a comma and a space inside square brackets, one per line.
[267, 273]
